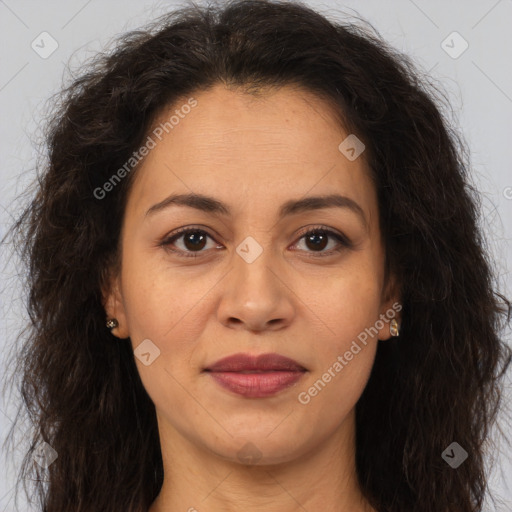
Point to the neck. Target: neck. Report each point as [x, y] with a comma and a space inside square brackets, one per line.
[321, 478]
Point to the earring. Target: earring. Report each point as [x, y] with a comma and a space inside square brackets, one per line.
[112, 323]
[393, 328]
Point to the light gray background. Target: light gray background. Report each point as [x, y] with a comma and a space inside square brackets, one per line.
[478, 83]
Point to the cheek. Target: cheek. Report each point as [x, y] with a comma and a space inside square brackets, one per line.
[344, 354]
[156, 296]
[348, 347]
[348, 307]
[348, 303]
[166, 307]
[170, 307]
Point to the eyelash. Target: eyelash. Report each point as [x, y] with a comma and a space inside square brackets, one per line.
[343, 241]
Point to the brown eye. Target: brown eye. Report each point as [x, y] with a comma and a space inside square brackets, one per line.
[192, 240]
[317, 239]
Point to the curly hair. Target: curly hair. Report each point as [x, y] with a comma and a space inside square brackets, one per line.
[439, 382]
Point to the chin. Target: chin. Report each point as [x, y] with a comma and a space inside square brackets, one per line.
[259, 449]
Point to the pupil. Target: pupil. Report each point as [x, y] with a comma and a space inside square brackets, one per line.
[316, 236]
[190, 239]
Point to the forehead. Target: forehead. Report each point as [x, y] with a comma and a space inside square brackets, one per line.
[250, 151]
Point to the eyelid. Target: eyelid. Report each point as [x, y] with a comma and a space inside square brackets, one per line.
[167, 240]
[343, 241]
[330, 231]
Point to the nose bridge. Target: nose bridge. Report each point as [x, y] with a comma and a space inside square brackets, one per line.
[254, 294]
[253, 264]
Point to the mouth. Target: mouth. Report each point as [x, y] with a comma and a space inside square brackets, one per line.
[250, 363]
[256, 376]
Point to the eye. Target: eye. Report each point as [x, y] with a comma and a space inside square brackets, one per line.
[194, 240]
[317, 239]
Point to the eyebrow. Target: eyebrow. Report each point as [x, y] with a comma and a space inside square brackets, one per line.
[211, 205]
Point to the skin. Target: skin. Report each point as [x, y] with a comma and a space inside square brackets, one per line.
[253, 154]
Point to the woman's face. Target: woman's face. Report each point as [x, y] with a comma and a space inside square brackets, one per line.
[248, 280]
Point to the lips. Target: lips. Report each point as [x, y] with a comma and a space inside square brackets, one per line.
[256, 376]
[261, 363]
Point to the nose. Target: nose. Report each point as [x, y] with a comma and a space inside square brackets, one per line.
[255, 296]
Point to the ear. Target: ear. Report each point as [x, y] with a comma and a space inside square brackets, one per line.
[114, 305]
[390, 309]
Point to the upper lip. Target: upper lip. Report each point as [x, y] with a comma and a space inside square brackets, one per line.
[248, 362]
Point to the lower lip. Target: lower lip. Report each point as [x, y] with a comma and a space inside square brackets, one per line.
[257, 385]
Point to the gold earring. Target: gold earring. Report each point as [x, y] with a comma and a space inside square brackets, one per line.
[393, 328]
[112, 323]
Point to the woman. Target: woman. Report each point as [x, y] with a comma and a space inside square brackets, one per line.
[256, 279]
